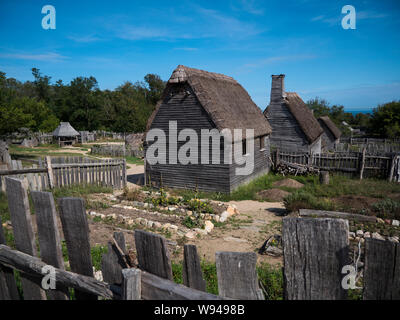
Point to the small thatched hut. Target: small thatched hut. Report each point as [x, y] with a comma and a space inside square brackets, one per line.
[294, 127]
[65, 134]
[331, 134]
[198, 100]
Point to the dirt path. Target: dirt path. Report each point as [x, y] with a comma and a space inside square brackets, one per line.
[255, 223]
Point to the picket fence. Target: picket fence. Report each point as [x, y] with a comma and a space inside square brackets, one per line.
[316, 251]
[50, 172]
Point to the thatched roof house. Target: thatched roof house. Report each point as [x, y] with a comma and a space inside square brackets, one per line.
[65, 134]
[197, 100]
[331, 134]
[294, 127]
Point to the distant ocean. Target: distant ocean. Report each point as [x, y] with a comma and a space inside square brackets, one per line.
[354, 112]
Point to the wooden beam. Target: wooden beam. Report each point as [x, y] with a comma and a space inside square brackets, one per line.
[191, 273]
[50, 172]
[131, 284]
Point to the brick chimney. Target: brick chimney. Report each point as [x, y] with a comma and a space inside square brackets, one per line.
[277, 88]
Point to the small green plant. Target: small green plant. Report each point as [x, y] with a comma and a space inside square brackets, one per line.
[97, 252]
[199, 206]
[191, 223]
[387, 208]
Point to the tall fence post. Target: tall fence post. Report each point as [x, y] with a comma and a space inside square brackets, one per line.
[362, 163]
[314, 251]
[237, 275]
[191, 273]
[382, 270]
[131, 284]
[18, 204]
[76, 233]
[49, 237]
[50, 172]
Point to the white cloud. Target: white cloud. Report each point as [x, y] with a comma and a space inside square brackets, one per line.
[51, 56]
[84, 39]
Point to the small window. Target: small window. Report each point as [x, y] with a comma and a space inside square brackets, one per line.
[262, 142]
[244, 147]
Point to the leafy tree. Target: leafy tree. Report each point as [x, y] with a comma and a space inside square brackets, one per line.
[385, 120]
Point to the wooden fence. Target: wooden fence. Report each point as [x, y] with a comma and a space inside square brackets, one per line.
[115, 150]
[373, 146]
[353, 163]
[52, 172]
[316, 251]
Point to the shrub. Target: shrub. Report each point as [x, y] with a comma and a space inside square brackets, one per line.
[302, 200]
[387, 208]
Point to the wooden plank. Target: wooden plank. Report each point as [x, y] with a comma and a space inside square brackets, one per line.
[49, 237]
[111, 266]
[8, 286]
[33, 266]
[152, 254]
[192, 274]
[315, 251]
[362, 164]
[131, 285]
[76, 233]
[21, 171]
[382, 270]
[24, 237]
[237, 275]
[50, 175]
[156, 288]
[335, 214]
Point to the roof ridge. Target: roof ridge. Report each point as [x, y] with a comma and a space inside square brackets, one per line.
[182, 73]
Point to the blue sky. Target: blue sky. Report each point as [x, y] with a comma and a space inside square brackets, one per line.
[117, 41]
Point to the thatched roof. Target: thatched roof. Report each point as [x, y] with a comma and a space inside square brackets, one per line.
[227, 103]
[331, 126]
[65, 130]
[303, 115]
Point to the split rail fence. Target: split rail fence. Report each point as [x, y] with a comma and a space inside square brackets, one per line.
[315, 253]
[50, 172]
[359, 164]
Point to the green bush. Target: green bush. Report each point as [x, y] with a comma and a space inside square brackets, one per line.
[303, 200]
[387, 208]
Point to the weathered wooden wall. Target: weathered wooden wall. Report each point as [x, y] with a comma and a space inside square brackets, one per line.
[286, 131]
[181, 105]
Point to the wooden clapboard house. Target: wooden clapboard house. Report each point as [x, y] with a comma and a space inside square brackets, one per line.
[294, 127]
[331, 135]
[197, 100]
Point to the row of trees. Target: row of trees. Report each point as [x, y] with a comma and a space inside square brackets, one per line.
[384, 121]
[40, 105]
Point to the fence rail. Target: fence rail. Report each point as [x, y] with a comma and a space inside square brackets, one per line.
[114, 150]
[316, 251]
[67, 171]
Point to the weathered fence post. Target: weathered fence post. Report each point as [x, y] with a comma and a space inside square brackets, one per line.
[24, 236]
[382, 270]
[315, 251]
[76, 233]
[362, 163]
[324, 177]
[276, 157]
[50, 172]
[49, 237]
[8, 287]
[191, 273]
[237, 275]
[124, 173]
[392, 166]
[131, 284]
[152, 254]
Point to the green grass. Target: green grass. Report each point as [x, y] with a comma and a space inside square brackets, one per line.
[270, 276]
[80, 190]
[97, 252]
[134, 160]
[245, 192]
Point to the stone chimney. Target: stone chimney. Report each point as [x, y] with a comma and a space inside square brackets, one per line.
[277, 88]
